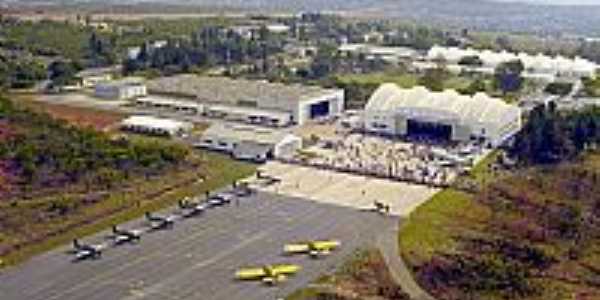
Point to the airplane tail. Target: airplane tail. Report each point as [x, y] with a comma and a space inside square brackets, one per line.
[76, 244]
[148, 215]
[183, 204]
[115, 229]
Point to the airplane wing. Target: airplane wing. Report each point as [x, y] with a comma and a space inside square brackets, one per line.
[82, 254]
[286, 269]
[250, 273]
[296, 248]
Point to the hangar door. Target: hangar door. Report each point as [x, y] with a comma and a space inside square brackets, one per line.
[431, 130]
[320, 109]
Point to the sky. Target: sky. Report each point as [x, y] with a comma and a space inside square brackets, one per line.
[558, 2]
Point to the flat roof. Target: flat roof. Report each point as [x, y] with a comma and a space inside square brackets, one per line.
[242, 132]
[124, 82]
[155, 123]
[168, 102]
[251, 111]
[233, 91]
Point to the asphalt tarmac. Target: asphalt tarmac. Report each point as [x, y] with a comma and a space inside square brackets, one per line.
[197, 258]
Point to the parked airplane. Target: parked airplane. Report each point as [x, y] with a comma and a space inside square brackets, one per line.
[219, 199]
[269, 180]
[312, 248]
[241, 189]
[83, 251]
[191, 209]
[159, 222]
[380, 207]
[122, 236]
[269, 274]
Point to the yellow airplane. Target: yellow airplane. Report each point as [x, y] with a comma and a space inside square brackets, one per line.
[269, 274]
[312, 248]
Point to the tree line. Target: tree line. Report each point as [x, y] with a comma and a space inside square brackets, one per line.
[551, 136]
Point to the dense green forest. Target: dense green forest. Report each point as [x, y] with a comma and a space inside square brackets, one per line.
[38, 152]
[551, 136]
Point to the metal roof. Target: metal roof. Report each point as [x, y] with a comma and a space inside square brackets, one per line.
[234, 91]
[239, 132]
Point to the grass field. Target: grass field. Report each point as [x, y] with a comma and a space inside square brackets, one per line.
[404, 80]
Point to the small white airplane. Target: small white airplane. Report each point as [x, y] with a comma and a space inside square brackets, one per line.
[159, 222]
[121, 236]
[219, 199]
[192, 209]
[83, 251]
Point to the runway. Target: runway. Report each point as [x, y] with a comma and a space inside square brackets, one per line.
[197, 258]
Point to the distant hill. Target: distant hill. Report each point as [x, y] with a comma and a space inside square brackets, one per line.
[504, 15]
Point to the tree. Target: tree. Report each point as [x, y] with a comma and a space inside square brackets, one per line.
[434, 79]
[559, 88]
[473, 60]
[507, 76]
[61, 73]
[476, 86]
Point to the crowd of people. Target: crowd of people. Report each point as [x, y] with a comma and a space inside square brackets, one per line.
[375, 156]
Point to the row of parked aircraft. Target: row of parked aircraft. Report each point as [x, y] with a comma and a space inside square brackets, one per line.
[188, 208]
[274, 274]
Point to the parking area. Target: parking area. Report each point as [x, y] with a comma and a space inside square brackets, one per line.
[197, 258]
[343, 189]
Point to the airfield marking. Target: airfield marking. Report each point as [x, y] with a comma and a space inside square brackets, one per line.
[155, 287]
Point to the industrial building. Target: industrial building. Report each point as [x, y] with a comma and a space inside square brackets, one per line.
[371, 52]
[559, 65]
[253, 102]
[249, 142]
[120, 90]
[447, 115]
[155, 126]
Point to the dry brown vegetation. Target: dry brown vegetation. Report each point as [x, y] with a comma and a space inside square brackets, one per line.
[365, 276]
[538, 238]
[98, 119]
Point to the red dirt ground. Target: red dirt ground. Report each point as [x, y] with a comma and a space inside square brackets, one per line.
[83, 117]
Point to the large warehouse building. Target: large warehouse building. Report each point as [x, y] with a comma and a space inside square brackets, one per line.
[393, 111]
[255, 102]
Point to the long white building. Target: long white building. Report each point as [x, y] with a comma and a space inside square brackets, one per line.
[559, 65]
[128, 88]
[393, 111]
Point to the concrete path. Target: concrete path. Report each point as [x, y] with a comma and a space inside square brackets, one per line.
[387, 243]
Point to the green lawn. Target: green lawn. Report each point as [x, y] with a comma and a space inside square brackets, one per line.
[404, 80]
[430, 227]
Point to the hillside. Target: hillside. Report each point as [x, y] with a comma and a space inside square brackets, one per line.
[478, 14]
[529, 235]
[59, 180]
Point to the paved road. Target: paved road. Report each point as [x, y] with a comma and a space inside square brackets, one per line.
[387, 243]
[197, 258]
